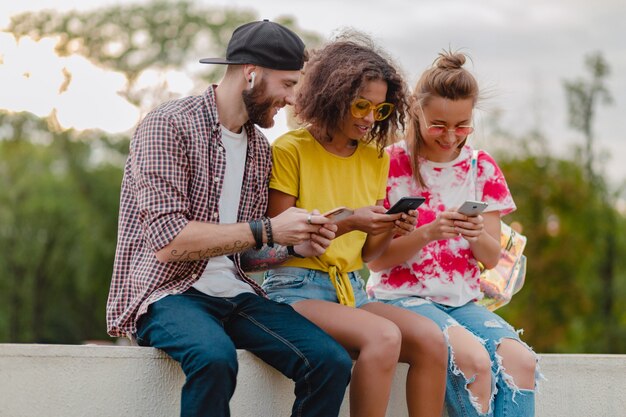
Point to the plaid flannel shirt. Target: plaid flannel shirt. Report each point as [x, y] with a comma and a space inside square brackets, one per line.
[174, 174]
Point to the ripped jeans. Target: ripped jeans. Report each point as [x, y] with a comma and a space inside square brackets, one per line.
[490, 329]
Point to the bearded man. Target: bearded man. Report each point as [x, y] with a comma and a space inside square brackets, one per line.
[193, 199]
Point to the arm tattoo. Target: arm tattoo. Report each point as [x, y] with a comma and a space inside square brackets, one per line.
[264, 258]
[197, 255]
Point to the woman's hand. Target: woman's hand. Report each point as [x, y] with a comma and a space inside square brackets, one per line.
[372, 220]
[318, 243]
[444, 226]
[451, 224]
[406, 223]
[471, 227]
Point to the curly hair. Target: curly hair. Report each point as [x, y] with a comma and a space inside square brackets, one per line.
[447, 79]
[335, 75]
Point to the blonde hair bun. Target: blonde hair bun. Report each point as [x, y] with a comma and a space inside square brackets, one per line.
[450, 60]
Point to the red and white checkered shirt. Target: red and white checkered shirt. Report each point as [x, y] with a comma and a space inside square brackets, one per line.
[174, 174]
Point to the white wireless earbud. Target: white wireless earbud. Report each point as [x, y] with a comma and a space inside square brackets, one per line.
[252, 77]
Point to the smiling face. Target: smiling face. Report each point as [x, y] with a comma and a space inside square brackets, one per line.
[443, 147]
[356, 128]
[272, 91]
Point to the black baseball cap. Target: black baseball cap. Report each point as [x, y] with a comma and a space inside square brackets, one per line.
[266, 44]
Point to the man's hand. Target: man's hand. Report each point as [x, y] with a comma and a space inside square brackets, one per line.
[295, 225]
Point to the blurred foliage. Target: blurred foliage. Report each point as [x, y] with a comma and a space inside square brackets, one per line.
[58, 214]
[59, 193]
[583, 96]
[561, 212]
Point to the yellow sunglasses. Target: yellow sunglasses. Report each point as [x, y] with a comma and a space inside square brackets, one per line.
[361, 107]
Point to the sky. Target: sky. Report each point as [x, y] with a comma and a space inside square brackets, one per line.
[521, 52]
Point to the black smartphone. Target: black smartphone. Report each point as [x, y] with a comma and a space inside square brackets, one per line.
[405, 204]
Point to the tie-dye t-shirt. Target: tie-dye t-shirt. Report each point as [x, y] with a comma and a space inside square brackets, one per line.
[443, 271]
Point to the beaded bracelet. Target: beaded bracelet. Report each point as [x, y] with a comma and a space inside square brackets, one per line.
[257, 232]
[268, 230]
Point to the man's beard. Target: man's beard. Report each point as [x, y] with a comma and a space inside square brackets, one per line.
[259, 105]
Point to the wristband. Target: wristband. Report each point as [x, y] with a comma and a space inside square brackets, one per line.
[268, 230]
[291, 251]
[257, 232]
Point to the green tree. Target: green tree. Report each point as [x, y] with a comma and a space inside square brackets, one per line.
[583, 97]
[559, 207]
[57, 237]
[557, 301]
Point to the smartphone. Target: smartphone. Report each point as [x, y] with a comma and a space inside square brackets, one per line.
[338, 213]
[472, 208]
[405, 204]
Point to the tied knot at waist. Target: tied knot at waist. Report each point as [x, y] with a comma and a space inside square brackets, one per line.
[343, 287]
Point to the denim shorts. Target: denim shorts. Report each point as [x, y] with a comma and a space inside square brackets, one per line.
[290, 285]
[486, 324]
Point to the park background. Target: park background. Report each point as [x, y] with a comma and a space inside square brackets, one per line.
[75, 80]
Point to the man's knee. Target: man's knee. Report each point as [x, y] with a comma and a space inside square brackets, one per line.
[340, 362]
[210, 361]
[330, 357]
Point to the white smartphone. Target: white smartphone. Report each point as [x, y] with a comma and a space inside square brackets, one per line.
[472, 208]
[338, 213]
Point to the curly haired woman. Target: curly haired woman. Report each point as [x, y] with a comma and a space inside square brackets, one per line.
[352, 101]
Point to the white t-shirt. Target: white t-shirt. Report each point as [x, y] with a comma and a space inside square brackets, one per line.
[220, 278]
[444, 271]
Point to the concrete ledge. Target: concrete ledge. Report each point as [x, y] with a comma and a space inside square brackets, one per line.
[105, 381]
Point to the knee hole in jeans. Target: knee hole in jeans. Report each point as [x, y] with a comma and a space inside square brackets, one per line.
[519, 363]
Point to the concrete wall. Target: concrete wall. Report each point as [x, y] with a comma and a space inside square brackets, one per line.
[108, 381]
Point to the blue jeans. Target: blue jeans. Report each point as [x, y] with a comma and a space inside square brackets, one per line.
[202, 333]
[490, 329]
[290, 284]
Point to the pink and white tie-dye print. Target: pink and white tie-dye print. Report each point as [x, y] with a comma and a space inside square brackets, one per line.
[444, 271]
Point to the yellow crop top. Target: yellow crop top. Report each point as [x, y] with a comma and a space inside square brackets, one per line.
[321, 180]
